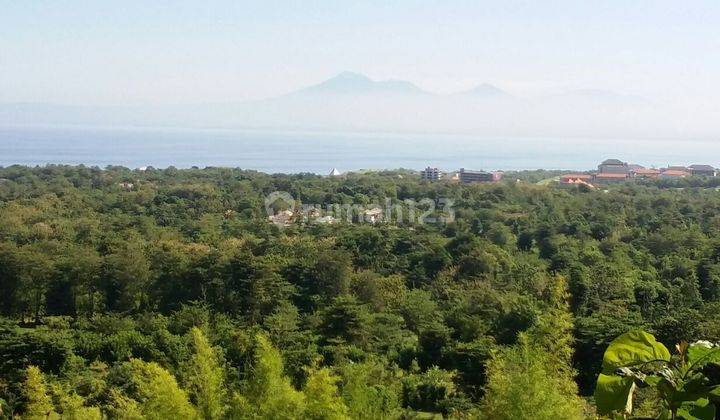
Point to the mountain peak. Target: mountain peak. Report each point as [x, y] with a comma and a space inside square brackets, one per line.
[486, 90]
[350, 75]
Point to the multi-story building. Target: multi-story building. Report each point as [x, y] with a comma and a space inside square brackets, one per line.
[613, 166]
[470, 177]
[702, 170]
[430, 174]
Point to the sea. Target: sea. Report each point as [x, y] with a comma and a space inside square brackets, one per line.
[319, 152]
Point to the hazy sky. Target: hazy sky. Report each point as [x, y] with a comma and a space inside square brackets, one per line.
[140, 51]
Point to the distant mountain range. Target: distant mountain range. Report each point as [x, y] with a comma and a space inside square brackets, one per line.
[349, 83]
[353, 102]
[354, 83]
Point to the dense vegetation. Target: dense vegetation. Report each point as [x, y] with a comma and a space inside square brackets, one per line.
[167, 294]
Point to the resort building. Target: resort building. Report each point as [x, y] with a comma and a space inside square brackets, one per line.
[645, 173]
[702, 170]
[472, 177]
[613, 166]
[673, 174]
[572, 179]
[676, 168]
[610, 177]
[615, 171]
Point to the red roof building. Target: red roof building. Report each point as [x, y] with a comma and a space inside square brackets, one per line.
[574, 178]
[610, 177]
[646, 173]
[672, 173]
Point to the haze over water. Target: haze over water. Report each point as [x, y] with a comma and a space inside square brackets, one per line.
[293, 152]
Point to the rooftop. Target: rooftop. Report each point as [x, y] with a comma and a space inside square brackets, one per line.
[697, 167]
[576, 176]
[673, 172]
[611, 176]
[468, 171]
[612, 162]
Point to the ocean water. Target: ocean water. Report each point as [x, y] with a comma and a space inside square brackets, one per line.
[292, 152]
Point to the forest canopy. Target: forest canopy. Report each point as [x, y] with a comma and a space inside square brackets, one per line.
[169, 294]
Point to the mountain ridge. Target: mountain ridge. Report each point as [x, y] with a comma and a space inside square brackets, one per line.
[486, 90]
[356, 83]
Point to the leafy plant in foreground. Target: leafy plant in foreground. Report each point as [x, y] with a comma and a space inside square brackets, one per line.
[687, 383]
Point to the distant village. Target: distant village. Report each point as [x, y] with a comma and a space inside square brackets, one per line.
[615, 170]
[609, 171]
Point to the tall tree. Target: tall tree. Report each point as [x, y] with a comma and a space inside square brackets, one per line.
[126, 277]
[323, 400]
[534, 378]
[158, 393]
[205, 378]
[520, 386]
[268, 393]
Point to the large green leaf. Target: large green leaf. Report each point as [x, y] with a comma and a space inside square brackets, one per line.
[631, 349]
[699, 355]
[701, 409]
[613, 393]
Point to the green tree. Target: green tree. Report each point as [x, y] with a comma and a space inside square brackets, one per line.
[298, 346]
[430, 391]
[72, 406]
[321, 394]
[77, 278]
[371, 391]
[265, 290]
[122, 407]
[11, 280]
[125, 277]
[205, 378]
[38, 403]
[520, 386]
[345, 321]
[268, 393]
[534, 378]
[331, 274]
[37, 271]
[158, 393]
